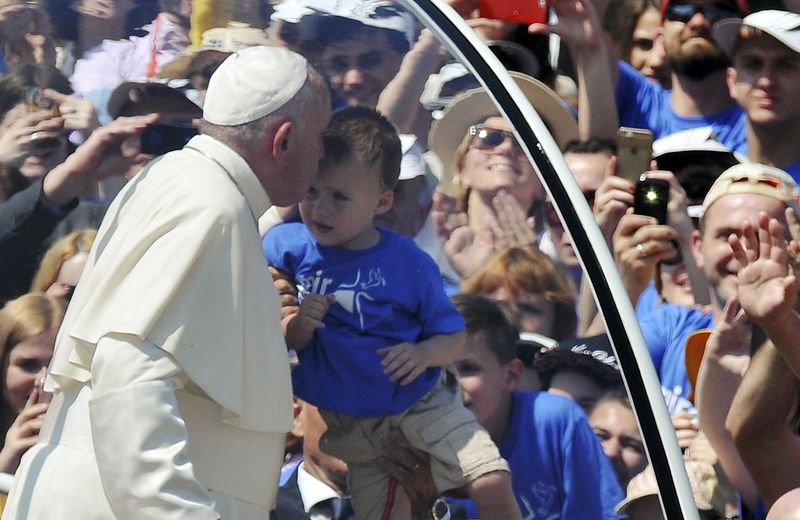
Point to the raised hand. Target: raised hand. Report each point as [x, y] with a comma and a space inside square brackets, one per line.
[729, 344]
[24, 431]
[767, 292]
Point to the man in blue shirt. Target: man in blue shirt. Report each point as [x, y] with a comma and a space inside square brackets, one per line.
[698, 97]
[765, 51]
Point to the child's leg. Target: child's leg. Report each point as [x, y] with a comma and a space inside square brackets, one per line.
[370, 491]
[493, 494]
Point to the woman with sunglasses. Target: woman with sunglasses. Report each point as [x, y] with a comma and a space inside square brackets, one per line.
[487, 175]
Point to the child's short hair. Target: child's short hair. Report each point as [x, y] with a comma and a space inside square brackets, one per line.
[492, 318]
[364, 135]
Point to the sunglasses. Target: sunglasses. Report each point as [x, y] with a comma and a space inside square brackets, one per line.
[712, 12]
[484, 138]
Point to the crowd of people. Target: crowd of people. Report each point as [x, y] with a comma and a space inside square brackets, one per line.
[286, 259]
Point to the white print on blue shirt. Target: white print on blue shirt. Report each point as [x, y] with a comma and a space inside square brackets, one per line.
[348, 295]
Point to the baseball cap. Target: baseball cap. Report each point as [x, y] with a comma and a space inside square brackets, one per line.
[13, 5]
[755, 179]
[382, 14]
[591, 355]
[252, 83]
[234, 37]
[781, 25]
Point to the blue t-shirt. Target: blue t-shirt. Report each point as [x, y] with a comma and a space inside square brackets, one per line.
[558, 468]
[644, 104]
[665, 331]
[793, 170]
[385, 295]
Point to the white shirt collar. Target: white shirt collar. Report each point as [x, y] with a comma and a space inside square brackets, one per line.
[312, 490]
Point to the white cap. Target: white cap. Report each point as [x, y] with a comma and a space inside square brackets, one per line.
[412, 165]
[383, 14]
[701, 139]
[781, 25]
[253, 83]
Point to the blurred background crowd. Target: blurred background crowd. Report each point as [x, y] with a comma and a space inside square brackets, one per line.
[708, 84]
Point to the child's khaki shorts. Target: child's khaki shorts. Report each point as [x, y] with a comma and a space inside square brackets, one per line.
[460, 449]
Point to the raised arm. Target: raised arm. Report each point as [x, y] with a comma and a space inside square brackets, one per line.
[580, 28]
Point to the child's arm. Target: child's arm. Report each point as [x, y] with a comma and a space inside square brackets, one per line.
[406, 361]
[299, 327]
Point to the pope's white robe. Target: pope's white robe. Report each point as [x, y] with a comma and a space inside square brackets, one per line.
[170, 374]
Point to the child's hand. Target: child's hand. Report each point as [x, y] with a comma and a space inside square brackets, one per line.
[404, 362]
[301, 326]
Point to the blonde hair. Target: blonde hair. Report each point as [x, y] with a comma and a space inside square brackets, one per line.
[62, 250]
[528, 270]
[23, 318]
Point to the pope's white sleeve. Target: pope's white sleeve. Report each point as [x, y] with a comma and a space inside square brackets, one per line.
[139, 436]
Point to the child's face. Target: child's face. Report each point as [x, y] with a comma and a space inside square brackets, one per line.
[340, 204]
[486, 385]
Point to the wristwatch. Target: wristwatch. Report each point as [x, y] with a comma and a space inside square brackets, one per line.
[440, 511]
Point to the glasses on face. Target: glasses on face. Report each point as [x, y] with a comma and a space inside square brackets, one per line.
[484, 138]
[712, 12]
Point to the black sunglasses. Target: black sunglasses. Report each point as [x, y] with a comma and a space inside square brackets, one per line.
[712, 12]
[484, 138]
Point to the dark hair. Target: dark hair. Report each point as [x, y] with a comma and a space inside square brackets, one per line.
[591, 145]
[620, 21]
[363, 134]
[15, 84]
[340, 29]
[615, 394]
[494, 320]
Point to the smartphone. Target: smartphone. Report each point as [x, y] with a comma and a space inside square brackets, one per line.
[634, 151]
[516, 11]
[161, 139]
[651, 198]
[35, 100]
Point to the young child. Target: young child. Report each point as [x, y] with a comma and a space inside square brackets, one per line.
[375, 327]
[559, 468]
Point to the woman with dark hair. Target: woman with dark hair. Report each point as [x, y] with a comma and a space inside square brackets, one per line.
[634, 27]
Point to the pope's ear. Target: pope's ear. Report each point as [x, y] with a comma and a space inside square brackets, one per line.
[280, 139]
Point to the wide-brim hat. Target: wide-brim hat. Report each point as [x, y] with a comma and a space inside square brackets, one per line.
[219, 41]
[474, 106]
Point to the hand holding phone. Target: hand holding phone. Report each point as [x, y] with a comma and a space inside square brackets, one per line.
[634, 150]
[651, 198]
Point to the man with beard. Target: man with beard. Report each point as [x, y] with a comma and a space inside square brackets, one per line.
[765, 51]
[699, 96]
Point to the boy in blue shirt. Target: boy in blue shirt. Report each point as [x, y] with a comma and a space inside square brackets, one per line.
[559, 469]
[374, 328]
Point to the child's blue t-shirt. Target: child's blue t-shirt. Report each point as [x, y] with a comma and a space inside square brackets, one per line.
[558, 468]
[644, 104]
[385, 295]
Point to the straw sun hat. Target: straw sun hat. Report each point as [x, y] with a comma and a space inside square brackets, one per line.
[474, 106]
